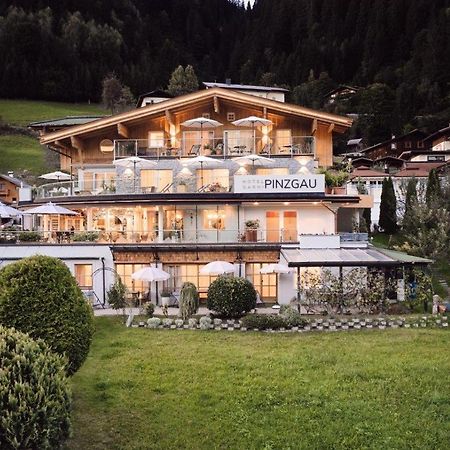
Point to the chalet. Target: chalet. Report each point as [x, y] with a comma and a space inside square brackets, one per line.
[154, 186]
[149, 98]
[269, 92]
[47, 126]
[342, 92]
[9, 188]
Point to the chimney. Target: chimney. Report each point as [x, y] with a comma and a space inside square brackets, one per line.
[228, 81]
[10, 173]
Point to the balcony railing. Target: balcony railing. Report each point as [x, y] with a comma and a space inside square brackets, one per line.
[133, 184]
[167, 236]
[215, 147]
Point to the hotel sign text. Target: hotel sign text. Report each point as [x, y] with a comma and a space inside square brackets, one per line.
[302, 184]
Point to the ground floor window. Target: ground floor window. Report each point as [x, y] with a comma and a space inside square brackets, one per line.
[181, 273]
[265, 284]
[125, 271]
[83, 275]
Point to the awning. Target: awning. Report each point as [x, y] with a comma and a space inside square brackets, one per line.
[349, 257]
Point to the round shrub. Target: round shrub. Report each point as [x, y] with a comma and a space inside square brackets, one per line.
[39, 296]
[35, 399]
[231, 297]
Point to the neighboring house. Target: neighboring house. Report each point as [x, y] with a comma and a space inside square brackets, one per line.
[354, 145]
[271, 93]
[439, 141]
[47, 126]
[150, 98]
[412, 141]
[9, 188]
[342, 92]
[175, 211]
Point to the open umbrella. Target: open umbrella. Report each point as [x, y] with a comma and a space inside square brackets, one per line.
[7, 212]
[134, 161]
[151, 274]
[217, 268]
[51, 209]
[58, 175]
[201, 122]
[201, 161]
[254, 160]
[252, 121]
[276, 268]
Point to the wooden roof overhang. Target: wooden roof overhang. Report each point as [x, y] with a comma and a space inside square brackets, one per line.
[185, 103]
[199, 198]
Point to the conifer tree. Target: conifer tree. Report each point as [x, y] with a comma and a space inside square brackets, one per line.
[182, 81]
[410, 205]
[388, 207]
[434, 192]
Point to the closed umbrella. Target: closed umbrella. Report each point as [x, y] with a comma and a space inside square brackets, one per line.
[134, 161]
[202, 161]
[201, 122]
[276, 268]
[7, 212]
[252, 121]
[217, 268]
[58, 175]
[151, 274]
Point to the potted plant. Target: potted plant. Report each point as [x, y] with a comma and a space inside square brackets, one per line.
[165, 297]
[335, 181]
[251, 230]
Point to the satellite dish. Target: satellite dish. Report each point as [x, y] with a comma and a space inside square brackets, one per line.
[106, 146]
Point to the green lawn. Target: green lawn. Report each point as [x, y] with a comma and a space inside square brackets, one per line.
[22, 112]
[145, 389]
[19, 152]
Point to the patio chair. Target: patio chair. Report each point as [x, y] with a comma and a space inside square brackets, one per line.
[195, 150]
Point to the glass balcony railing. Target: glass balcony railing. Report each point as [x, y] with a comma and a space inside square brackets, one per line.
[168, 236]
[221, 147]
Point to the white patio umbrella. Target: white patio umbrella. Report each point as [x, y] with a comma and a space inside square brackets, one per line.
[151, 274]
[201, 122]
[276, 268]
[254, 160]
[51, 209]
[134, 161]
[252, 121]
[202, 161]
[7, 212]
[58, 175]
[217, 268]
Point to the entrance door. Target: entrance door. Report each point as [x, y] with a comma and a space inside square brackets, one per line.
[290, 226]
[272, 226]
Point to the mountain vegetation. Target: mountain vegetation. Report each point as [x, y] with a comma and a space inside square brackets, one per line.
[394, 50]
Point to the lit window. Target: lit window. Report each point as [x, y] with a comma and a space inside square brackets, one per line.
[83, 275]
[407, 144]
[231, 116]
[214, 219]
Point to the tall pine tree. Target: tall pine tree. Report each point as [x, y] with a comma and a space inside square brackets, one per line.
[434, 192]
[388, 208]
[409, 215]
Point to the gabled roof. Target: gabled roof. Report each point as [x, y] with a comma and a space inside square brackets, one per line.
[67, 121]
[419, 169]
[192, 99]
[438, 134]
[244, 87]
[365, 171]
[13, 180]
[394, 140]
[155, 93]
[341, 87]
[354, 141]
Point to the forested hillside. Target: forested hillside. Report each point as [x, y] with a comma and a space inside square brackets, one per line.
[397, 49]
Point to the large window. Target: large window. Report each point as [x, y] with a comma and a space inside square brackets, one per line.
[216, 180]
[181, 273]
[98, 182]
[156, 139]
[156, 180]
[125, 271]
[214, 219]
[283, 139]
[265, 284]
[83, 275]
[272, 171]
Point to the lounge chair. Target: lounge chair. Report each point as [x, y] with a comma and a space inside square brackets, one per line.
[195, 150]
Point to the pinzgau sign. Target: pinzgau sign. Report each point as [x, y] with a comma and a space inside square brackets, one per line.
[302, 184]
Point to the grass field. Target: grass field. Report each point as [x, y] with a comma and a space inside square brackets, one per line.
[160, 389]
[22, 112]
[19, 152]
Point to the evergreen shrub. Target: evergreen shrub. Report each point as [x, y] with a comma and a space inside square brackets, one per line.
[268, 321]
[189, 300]
[231, 297]
[35, 399]
[39, 296]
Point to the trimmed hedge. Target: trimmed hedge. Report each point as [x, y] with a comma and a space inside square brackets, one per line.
[35, 399]
[39, 296]
[231, 297]
[270, 322]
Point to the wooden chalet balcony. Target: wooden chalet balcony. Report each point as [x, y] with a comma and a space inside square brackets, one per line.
[215, 147]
